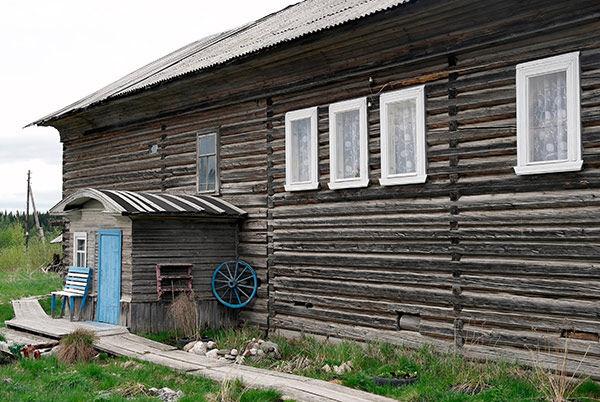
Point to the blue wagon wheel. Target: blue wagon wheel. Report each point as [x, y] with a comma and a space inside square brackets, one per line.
[234, 283]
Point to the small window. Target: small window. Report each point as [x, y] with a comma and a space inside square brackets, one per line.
[348, 144]
[301, 150]
[208, 180]
[80, 249]
[403, 156]
[548, 115]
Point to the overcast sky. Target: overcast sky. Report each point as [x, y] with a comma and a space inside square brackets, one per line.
[56, 52]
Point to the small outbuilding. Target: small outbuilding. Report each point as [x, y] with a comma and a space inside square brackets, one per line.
[145, 248]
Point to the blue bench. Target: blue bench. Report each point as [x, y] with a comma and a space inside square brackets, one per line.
[77, 284]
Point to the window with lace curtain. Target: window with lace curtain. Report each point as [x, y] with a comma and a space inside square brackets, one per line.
[301, 150]
[403, 156]
[348, 144]
[548, 115]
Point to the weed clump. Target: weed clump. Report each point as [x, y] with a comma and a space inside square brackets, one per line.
[185, 315]
[78, 346]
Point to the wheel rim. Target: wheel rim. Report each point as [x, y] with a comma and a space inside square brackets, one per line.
[234, 284]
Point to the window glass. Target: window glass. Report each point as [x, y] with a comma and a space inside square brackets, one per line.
[301, 155]
[548, 117]
[402, 131]
[348, 144]
[207, 162]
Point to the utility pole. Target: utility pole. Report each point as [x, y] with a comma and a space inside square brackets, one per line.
[36, 218]
[27, 214]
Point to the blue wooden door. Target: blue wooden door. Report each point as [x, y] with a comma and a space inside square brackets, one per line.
[109, 276]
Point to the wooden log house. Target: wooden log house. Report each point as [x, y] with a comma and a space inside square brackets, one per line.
[418, 172]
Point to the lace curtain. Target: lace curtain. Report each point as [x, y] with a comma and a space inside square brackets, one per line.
[347, 133]
[548, 117]
[301, 158]
[402, 137]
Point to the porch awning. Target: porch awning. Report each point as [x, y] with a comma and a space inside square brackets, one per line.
[142, 203]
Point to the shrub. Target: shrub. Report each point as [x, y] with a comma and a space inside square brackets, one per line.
[78, 346]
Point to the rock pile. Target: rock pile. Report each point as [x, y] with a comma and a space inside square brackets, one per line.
[255, 350]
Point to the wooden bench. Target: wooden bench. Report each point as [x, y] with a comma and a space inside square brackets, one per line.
[77, 284]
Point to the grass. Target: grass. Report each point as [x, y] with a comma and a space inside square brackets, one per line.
[17, 284]
[120, 379]
[20, 275]
[16, 258]
[442, 377]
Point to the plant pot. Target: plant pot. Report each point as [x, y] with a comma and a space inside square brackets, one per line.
[395, 382]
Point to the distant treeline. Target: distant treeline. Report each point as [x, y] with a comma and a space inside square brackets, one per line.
[12, 219]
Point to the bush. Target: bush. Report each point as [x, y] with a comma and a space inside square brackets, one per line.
[11, 236]
[78, 346]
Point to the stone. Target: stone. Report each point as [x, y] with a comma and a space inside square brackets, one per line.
[271, 349]
[199, 348]
[213, 353]
[188, 346]
[342, 369]
[234, 352]
[326, 368]
[211, 345]
[230, 357]
[166, 394]
[253, 351]
[223, 352]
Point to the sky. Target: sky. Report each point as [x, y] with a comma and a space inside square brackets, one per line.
[56, 52]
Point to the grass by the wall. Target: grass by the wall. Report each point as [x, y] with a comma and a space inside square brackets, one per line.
[442, 376]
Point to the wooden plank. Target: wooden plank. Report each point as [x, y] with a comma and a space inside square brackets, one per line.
[13, 336]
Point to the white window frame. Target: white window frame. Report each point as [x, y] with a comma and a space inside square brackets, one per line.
[77, 236]
[217, 160]
[568, 62]
[312, 114]
[420, 173]
[336, 183]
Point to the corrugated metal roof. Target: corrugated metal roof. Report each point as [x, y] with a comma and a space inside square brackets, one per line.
[141, 203]
[288, 24]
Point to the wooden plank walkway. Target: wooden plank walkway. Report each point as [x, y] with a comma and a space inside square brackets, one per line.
[118, 341]
[14, 337]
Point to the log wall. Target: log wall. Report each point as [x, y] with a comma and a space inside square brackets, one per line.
[476, 258]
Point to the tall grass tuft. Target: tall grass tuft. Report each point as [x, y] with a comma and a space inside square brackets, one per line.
[78, 346]
[186, 317]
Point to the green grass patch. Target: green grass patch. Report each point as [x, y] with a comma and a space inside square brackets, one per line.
[17, 284]
[442, 377]
[21, 283]
[108, 380]
[14, 257]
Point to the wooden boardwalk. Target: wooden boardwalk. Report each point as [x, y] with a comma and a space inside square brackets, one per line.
[115, 340]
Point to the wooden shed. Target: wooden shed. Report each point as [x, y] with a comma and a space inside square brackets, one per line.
[146, 248]
[418, 172]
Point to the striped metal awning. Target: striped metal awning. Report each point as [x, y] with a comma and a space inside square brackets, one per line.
[142, 203]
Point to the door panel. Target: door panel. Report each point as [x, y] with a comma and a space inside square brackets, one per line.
[109, 276]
